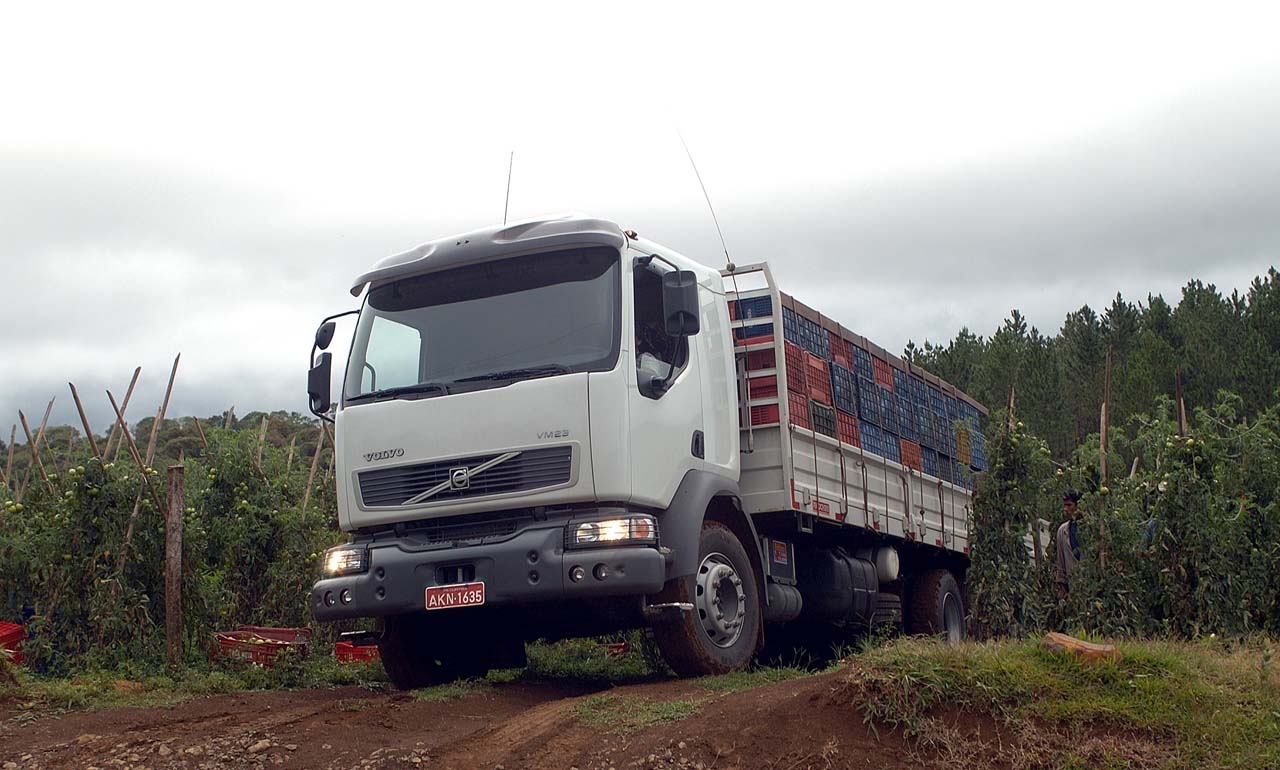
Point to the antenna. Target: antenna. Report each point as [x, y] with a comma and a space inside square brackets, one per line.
[511, 161]
[728, 262]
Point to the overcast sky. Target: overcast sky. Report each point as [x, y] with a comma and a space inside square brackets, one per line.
[210, 182]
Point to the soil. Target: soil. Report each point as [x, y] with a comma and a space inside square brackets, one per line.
[805, 723]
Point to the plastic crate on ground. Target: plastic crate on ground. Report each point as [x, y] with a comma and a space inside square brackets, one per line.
[346, 652]
[11, 638]
[261, 645]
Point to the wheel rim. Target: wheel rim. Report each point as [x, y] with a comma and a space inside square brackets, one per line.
[952, 619]
[721, 601]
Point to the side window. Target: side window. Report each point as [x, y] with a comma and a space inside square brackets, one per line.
[393, 358]
[656, 351]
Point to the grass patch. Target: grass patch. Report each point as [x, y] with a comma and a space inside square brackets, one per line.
[750, 679]
[1208, 704]
[456, 690]
[620, 714]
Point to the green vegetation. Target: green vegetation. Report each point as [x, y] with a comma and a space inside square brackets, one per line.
[619, 714]
[453, 690]
[1192, 705]
[750, 679]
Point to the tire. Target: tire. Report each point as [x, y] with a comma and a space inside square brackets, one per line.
[713, 638]
[417, 654]
[937, 606]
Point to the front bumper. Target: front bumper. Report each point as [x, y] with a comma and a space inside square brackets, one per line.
[531, 566]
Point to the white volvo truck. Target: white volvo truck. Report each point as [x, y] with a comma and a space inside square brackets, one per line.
[559, 428]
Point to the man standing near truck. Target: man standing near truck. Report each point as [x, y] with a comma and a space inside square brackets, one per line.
[1068, 542]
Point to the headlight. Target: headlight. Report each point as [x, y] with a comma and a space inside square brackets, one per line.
[631, 530]
[345, 561]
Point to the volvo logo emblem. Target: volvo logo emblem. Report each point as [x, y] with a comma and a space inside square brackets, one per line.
[459, 478]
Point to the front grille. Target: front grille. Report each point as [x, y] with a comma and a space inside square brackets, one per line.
[528, 470]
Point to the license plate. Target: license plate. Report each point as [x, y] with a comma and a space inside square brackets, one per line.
[460, 595]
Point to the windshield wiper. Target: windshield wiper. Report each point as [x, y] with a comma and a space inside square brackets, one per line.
[403, 390]
[543, 370]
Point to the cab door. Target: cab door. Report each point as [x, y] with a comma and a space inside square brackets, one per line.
[664, 392]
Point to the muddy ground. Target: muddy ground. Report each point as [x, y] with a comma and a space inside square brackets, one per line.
[802, 723]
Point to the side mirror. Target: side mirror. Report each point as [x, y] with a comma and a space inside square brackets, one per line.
[318, 382]
[680, 303]
[324, 335]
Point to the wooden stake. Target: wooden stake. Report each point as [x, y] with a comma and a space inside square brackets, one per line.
[164, 407]
[34, 445]
[1133, 472]
[8, 465]
[128, 394]
[1012, 402]
[200, 432]
[231, 415]
[173, 566]
[262, 436]
[315, 460]
[1102, 524]
[88, 431]
[288, 464]
[142, 468]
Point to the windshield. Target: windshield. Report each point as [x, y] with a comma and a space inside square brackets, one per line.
[519, 317]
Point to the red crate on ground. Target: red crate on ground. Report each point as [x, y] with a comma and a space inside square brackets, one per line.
[883, 373]
[796, 380]
[798, 405]
[842, 351]
[346, 652]
[847, 426]
[818, 374]
[763, 387]
[761, 359]
[764, 414]
[11, 637]
[260, 645]
[911, 454]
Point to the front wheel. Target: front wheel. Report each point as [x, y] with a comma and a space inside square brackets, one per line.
[723, 630]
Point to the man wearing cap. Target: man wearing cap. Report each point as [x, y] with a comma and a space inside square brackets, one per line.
[1068, 541]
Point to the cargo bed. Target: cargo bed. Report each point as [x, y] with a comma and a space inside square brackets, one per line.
[835, 427]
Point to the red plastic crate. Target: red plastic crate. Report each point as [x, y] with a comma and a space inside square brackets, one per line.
[847, 426]
[11, 638]
[910, 454]
[796, 380]
[346, 652]
[883, 373]
[761, 359]
[798, 405]
[260, 645]
[763, 387]
[842, 351]
[819, 376]
[764, 414]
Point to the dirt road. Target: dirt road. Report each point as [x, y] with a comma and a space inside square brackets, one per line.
[536, 725]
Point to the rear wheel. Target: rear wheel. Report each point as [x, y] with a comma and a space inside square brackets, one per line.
[723, 630]
[937, 606]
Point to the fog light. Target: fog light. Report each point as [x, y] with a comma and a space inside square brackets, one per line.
[328, 599]
[629, 530]
[601, 572]
[345, 596]
[576, 574]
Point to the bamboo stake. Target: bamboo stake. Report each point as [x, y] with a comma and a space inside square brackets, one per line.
[111, 437]
[262, 436]
[71, 447]
[231, 415]
[142, 468]
[315, 460]
[288, 464]
[164, 407]
[1102, 524]
[1133, 472]
[35, 451]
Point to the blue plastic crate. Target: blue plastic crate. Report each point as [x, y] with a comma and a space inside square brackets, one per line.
[936, 404]
[755, 307]
[929, 461]
[871, 438]
[906, 417]
[888, 410]
[892, 449]
[756, 330]
[900, 382]
[952, 407]
[790, 325]
[862, 365]
[869, 401]
[844, 389]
